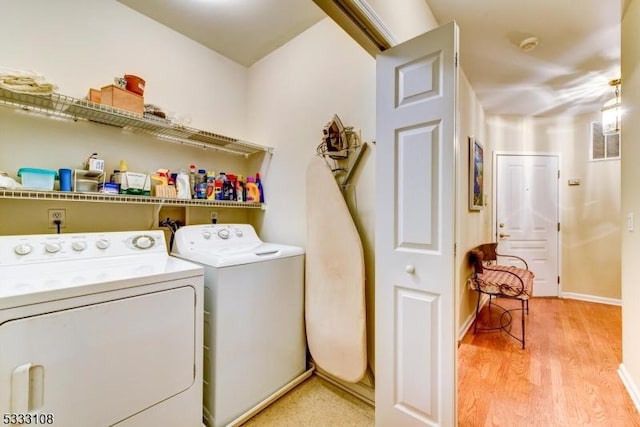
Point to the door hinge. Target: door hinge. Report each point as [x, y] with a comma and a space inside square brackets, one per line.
[558, 226]
[455, 249]
[456, 59]
[558, 280]
[558, 173]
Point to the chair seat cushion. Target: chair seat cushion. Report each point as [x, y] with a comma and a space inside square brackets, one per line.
[504, 280]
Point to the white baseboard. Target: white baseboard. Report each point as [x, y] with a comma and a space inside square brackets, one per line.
[630, 385]
[591, 298]
[466, 326]
[469, 322]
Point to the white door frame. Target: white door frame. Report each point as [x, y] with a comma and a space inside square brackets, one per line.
[494, 205]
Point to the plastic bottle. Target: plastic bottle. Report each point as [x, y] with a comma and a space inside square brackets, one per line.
[259, 184]
[211, 185]
[253, 192]
[201, 176]
[217, 192]
[201, 184]
[241, 192]
[183, 186]
[230, 187]
[192, 180]
[222, 177]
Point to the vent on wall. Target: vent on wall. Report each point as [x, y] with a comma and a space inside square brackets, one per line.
[603, 147]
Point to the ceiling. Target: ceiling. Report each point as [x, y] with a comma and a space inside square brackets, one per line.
[567, 73]
[243, 30]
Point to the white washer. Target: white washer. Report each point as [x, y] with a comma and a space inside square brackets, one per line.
[99, 329]
[254, 316]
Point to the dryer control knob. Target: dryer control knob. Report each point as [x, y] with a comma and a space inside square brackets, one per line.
[143, 242]
[223, 234]
[238, 232]
[79, 246]
[52, 248]
[206, 235]
[103, 243]
[23, 249]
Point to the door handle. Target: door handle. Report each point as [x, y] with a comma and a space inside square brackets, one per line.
[503, 235]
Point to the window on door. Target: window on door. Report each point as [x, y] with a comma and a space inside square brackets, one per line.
[603, 147]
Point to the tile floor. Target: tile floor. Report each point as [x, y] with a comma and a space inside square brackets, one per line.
[315, 403]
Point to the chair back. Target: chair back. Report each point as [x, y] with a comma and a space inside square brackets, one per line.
[484, 252]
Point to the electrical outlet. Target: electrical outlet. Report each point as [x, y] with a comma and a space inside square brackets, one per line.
[214, 217]
[57, 214]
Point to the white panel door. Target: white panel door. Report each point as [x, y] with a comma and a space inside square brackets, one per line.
[527, 215]
[415, 210]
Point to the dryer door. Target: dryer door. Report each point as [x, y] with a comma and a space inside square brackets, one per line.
[98, 364]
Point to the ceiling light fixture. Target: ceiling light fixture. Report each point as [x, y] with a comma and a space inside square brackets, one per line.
[529, 44]
[611, 111]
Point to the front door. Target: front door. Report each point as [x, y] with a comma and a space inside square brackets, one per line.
[415, 210]
[527, 222]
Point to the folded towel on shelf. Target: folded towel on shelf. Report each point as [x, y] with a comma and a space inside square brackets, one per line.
[27, 82]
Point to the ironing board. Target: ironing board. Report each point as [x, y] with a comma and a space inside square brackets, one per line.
[335, 313]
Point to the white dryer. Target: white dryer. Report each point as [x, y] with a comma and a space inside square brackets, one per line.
[254, 335]
[99, 329]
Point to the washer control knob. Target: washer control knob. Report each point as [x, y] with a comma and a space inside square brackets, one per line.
[103, 243]
[223, 234]
[52, 248]
[79, 246]
[23, 249]
[143, 242]
[206, 235]
[238, 232]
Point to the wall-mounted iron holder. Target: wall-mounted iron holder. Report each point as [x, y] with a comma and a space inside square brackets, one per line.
[344, 166]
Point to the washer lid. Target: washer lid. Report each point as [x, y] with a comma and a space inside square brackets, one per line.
[225, 257]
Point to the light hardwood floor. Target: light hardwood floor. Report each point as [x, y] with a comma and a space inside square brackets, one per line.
[566, 377]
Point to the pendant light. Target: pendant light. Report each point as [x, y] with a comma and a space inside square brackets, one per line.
[611, 111]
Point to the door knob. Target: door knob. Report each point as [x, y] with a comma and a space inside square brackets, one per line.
[410, 269]
[503, 235]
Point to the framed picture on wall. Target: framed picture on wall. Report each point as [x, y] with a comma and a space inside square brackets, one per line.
[476, 174]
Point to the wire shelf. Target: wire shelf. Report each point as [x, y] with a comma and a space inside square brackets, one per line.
[58, 105]
[123, 198]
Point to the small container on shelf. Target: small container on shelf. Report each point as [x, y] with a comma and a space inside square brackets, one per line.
[87, 181]
[37, 179]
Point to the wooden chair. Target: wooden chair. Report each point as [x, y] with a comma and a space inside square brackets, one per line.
[500, 281]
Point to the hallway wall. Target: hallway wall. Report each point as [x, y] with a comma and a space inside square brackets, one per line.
[589, 213]
[294, 92]
[630, 367]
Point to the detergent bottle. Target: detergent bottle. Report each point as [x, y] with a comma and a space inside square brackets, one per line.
[231, 187]
[259, 184]
[241, 191]
[253, 192]
[192, 180]
[183, 186]
[211, 185]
